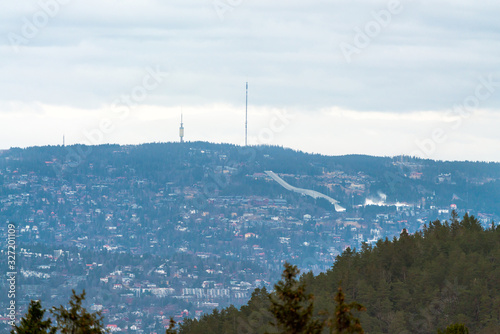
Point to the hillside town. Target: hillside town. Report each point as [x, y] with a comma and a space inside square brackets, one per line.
[147, 248]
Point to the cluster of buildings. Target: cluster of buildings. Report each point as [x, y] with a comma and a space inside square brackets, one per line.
[145, 250]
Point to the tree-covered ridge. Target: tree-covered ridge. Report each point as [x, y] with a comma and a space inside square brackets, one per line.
[471, 185]
[447, 274]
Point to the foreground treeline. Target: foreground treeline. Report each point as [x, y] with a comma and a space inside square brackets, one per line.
[446, 277]
[72, 320]
[442, 280]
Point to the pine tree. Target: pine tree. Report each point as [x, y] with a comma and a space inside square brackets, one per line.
[291, 306]
[455, 329]
[77, 320]
[342, 320]
[33, 323]
[171, 327]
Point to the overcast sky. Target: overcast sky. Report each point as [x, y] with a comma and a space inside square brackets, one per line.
[332, 77]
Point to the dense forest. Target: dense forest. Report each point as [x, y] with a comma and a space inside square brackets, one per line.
[447, 274]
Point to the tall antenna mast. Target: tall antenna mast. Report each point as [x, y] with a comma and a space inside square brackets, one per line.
[246, 117]
[181, 130]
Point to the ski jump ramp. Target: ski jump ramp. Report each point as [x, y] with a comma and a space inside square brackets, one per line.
[308, 192]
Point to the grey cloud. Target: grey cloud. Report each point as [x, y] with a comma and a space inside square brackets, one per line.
[429, 57]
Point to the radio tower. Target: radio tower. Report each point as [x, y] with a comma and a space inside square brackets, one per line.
[181, 131]
[246, 117]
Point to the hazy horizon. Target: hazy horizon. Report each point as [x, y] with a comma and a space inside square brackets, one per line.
[187, 142]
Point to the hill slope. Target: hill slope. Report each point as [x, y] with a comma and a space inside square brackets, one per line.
[447, 273]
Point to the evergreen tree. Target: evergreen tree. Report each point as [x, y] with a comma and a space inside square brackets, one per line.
[343, 321]
[416, 283]
[76, 319]
[455, 329]
[33, 323]
[291, 306]
[171, 327]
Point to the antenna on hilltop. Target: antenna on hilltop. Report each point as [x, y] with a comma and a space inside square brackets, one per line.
[181, 130]
[246, 117]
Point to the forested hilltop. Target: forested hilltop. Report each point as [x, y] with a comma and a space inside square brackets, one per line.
[352, 178]
[448, 273]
